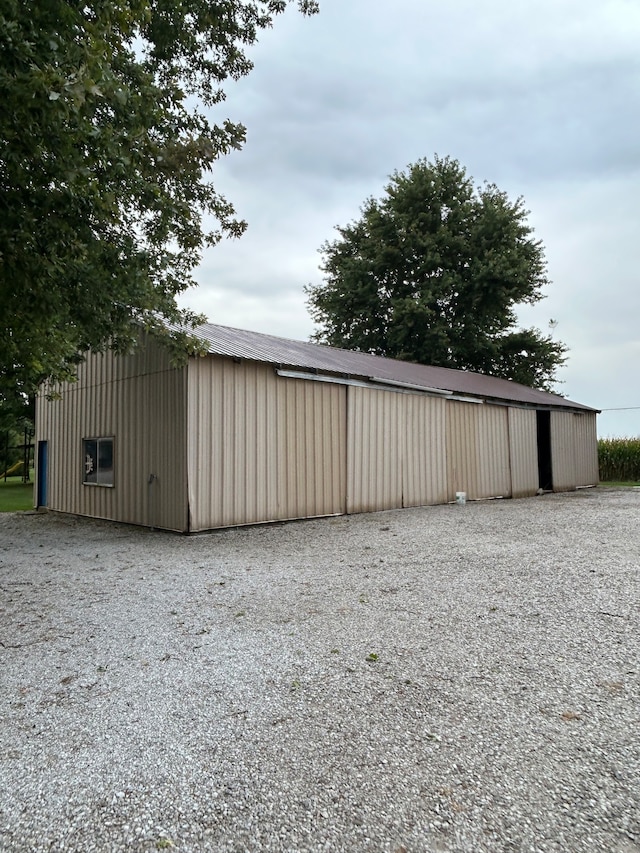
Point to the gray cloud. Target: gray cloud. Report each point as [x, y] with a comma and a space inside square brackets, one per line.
[541, 98]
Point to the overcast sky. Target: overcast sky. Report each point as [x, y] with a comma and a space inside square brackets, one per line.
[541, 97]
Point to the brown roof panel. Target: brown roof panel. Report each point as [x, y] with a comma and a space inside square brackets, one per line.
[285, 353]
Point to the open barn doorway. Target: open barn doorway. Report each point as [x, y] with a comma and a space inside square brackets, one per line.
[545, 473]
[43, 465]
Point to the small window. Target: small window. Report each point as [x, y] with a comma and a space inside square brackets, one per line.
[97, 461]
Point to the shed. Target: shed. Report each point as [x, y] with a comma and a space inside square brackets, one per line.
[263, 428]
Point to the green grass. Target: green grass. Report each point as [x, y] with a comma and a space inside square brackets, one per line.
[15, 495]
[621, 484]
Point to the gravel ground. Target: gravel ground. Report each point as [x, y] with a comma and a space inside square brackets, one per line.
[439, 679]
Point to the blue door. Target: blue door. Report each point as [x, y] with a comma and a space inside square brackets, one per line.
[41, 488]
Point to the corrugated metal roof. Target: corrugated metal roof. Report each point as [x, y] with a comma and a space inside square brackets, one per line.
[302, 355]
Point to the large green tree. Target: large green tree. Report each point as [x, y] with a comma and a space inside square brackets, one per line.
[432, 272]
[107, 143]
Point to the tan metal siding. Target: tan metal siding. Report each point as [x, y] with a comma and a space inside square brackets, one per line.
[477, 450]
[166, 454]
[493, 452]
[424, 466]
[374, 450]
[574, 450]
[523, 452]
[227, 445]
[146, 416]
[462, 450]
[261, 447]
[313, 449]
[562, 451]
[586, 449]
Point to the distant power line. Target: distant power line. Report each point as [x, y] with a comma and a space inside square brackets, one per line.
[622, 409]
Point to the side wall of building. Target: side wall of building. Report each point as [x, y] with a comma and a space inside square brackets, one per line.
[477, 450]
[225, 442]
[396, 450]
[523, 452]
[140, 402]
[425, 469]
[262, 447]
[586, 444]
[574, 450]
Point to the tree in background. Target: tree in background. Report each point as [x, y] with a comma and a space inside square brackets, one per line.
[432, 273]
[16, 429]
[105, 155]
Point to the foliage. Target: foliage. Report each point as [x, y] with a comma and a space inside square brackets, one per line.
[432, 273]
[16, 416]
[105, 161]
[619, 459]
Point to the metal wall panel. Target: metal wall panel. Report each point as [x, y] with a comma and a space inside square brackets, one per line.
[563, 451]
[145, 414]
[523, 452]
[396, 450]
[574, 450]
[424, 466]
[586, 449]
[262, 447]
[375, 450]
[477, 450]
[462, 449]
[493, 451]
[313, 448]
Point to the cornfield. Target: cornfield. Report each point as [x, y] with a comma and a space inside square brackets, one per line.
[619, 459]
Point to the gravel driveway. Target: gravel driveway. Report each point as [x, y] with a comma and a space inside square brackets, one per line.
[439, 679]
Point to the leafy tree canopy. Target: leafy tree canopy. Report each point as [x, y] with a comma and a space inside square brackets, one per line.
[105, 161]
[432, 273]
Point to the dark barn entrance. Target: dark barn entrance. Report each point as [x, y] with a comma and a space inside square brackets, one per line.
[545, 474]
